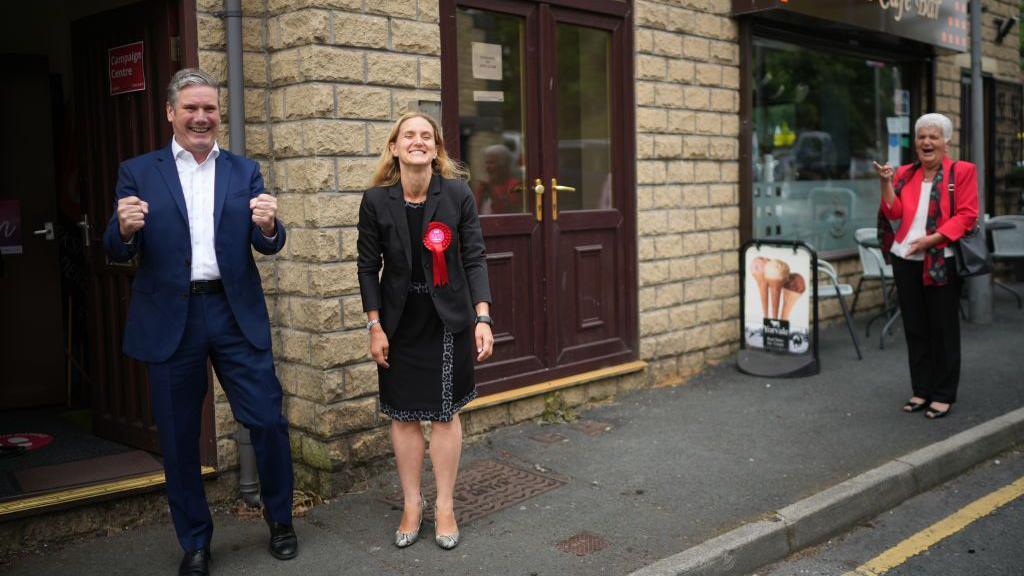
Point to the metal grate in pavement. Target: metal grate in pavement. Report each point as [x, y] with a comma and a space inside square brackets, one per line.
[582, 544]
[549, 438]
[593, 427]
[484, 487]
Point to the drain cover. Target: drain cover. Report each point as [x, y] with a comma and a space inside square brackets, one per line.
[582, 544]
[592, 427]
[549, 438]
[484, 487]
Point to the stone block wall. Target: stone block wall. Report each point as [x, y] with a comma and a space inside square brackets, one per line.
[687, 121]
[324, 81]
[1001, 60]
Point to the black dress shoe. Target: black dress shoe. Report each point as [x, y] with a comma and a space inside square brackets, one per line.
[283, 543]
[195, 563]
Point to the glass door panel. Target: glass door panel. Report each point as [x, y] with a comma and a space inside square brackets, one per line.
[584, 118]
[492, 116]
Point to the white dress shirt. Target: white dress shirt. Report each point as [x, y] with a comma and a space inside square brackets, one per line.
[197, 183]
[918, 227]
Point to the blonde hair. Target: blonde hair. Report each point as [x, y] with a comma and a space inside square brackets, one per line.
[388, 170]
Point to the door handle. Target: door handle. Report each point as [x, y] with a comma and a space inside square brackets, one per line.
[555, 188]
[538, 193]
[47, 231]
[84, 225]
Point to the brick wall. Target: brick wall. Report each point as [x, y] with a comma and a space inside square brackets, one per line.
[1002, 61]
[687, 118]
[324, 80]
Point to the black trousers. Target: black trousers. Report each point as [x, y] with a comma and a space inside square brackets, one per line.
[931, 321]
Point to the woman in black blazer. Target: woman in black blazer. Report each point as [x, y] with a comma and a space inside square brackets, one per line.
[427, 313]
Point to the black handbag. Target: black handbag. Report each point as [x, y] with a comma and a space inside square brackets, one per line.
[971, 250]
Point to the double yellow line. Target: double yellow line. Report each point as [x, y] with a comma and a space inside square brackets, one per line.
[939, 531]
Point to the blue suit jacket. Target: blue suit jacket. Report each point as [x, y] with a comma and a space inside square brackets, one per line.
[160, 292]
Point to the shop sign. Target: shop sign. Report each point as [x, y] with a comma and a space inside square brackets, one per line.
[941, 23]
[125, 67]
[10, 227]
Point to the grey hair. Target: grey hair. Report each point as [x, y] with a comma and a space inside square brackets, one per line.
[189, 77]
[939, 121]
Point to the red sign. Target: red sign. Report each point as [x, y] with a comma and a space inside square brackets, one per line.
[27, 441]
[126, 70]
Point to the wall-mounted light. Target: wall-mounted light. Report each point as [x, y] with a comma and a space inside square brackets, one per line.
[1003, 27]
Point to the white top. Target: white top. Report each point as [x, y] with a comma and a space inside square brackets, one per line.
[197, 182]
[918, 227]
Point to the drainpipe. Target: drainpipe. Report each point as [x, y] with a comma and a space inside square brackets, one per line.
[979, 288]
[236, 89]
[248, 477]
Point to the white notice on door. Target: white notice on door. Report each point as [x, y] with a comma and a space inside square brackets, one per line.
[488, 96]
[486, 61]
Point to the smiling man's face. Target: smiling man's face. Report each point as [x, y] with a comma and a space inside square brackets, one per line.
[196, 119]
[931, 146]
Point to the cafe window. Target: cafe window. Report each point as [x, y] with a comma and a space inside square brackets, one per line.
[819, 120]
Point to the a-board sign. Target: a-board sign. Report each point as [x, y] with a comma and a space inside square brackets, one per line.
[778, 282]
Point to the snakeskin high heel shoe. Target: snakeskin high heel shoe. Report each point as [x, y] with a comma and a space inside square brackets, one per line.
[447, 541]
[405, 539]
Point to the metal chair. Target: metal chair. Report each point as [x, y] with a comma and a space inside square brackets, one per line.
[875, 270]
[1008, 244]
[840, 291]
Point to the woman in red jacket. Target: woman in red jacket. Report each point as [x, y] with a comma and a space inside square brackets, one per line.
[916, 204]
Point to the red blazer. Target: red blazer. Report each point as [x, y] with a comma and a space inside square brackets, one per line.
[954, 226]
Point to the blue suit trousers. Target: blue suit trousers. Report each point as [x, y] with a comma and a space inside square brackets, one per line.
[178, 387]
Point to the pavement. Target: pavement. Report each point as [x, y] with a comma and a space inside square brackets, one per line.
[722, 475]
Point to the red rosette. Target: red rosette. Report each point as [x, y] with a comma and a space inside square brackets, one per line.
[437, 239]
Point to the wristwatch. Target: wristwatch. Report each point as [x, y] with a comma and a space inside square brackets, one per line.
[485, 319]
[371, 324]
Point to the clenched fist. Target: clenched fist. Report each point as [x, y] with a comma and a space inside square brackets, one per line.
[264, 213]
[131, 216]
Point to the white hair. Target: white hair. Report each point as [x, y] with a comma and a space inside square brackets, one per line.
[939, 121]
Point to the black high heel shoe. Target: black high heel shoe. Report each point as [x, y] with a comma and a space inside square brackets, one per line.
[910, 407]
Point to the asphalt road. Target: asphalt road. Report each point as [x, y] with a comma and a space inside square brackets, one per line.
[990, 545]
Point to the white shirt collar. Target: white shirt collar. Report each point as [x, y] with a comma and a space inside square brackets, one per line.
[177, 151]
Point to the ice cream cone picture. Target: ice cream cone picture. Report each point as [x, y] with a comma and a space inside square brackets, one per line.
[776, 273]
[757, 271]
[792, 290]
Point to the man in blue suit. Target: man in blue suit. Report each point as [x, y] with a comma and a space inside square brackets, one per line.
[190, 212]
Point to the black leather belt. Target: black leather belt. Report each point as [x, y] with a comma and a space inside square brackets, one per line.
[206, 287]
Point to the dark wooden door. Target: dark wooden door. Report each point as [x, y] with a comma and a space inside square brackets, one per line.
[588, 164]
[112, 128]
[31, 351]
[542, 99]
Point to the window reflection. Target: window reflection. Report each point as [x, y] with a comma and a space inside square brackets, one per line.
[820, 119]
[491, 113]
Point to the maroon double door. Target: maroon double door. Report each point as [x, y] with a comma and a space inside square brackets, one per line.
[538, 103]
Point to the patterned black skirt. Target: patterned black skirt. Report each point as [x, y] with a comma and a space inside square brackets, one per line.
[431, 369]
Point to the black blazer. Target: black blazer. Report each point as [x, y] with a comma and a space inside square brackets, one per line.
[384, 234]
